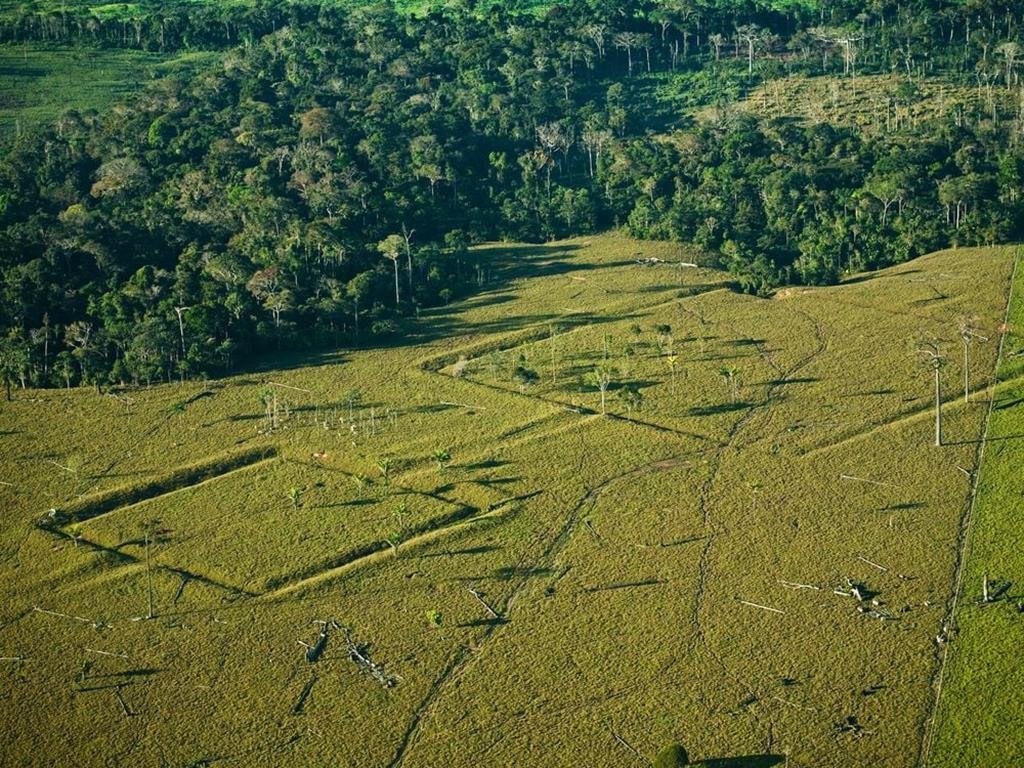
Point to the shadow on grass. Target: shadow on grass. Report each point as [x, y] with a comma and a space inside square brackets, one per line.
[466, 551]
[495, 622]
[782, 382]
[1003, 438]
[485, 464]
[1009, 404]
[746, 761]
[714, 410]
[902, 507]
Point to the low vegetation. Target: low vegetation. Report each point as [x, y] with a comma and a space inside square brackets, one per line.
[772, 554]
[976, 722]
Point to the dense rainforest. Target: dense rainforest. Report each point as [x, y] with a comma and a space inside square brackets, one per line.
[324, 179]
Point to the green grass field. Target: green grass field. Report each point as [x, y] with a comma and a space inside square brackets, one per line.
[567, 586]
[38, 83]
[975, 723]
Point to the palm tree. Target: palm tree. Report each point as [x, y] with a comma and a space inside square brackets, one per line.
[968, 334]
[442, 456]
[601, 377]
[729, 375]
[384, 464]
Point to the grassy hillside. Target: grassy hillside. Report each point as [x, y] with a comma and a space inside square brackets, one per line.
[660, 572]
[38, 83]
[976, 719]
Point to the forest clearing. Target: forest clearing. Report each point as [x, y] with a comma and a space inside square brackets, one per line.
[750, 548]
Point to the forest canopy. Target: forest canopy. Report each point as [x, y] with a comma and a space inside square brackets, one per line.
[324, 178]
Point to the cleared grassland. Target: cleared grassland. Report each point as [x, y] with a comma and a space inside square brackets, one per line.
[978, 718]
[878, 103]
[39, 82]
[620, 553]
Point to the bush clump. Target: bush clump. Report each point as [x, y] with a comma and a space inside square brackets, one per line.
[672, 756]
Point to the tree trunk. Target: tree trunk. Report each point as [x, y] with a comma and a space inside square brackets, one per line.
[967, 370]
[938, 410]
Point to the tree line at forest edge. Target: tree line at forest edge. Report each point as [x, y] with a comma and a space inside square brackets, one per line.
[324, 179]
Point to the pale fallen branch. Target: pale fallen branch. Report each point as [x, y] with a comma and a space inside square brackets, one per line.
[865, 480]
[762, 607]
[95, 624]
[791, 704]
[631, 748]
[493, 613]
[872, 563]
[289, 386]
[108, 653]
[796, 585]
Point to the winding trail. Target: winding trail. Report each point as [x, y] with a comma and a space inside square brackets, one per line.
[700, 639]
[462, 660]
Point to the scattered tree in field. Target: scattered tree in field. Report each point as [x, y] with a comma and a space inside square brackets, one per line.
[75, 532]
[671, 361]
[672, 756]
[434, 618]
[384, 466]
[663, 338]
[968, 334]
[268, 396]
[442, 456]
[400, 531]
[394, 540]
[730, 376]
[934, 361]
[295, 497]
[631, 397]
[601, 377]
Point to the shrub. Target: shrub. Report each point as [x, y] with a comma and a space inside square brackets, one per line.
[672, 756]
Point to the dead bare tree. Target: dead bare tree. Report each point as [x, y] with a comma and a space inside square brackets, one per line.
[968, 334]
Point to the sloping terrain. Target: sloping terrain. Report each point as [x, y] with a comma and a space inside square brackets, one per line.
[975, 722]
[538, 583]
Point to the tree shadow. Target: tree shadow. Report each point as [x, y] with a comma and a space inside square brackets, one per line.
[485, 464]
[465, 551]
[496, 621]
[714, 410]
[745, 761]
[1000, 439]
[1009, 403]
